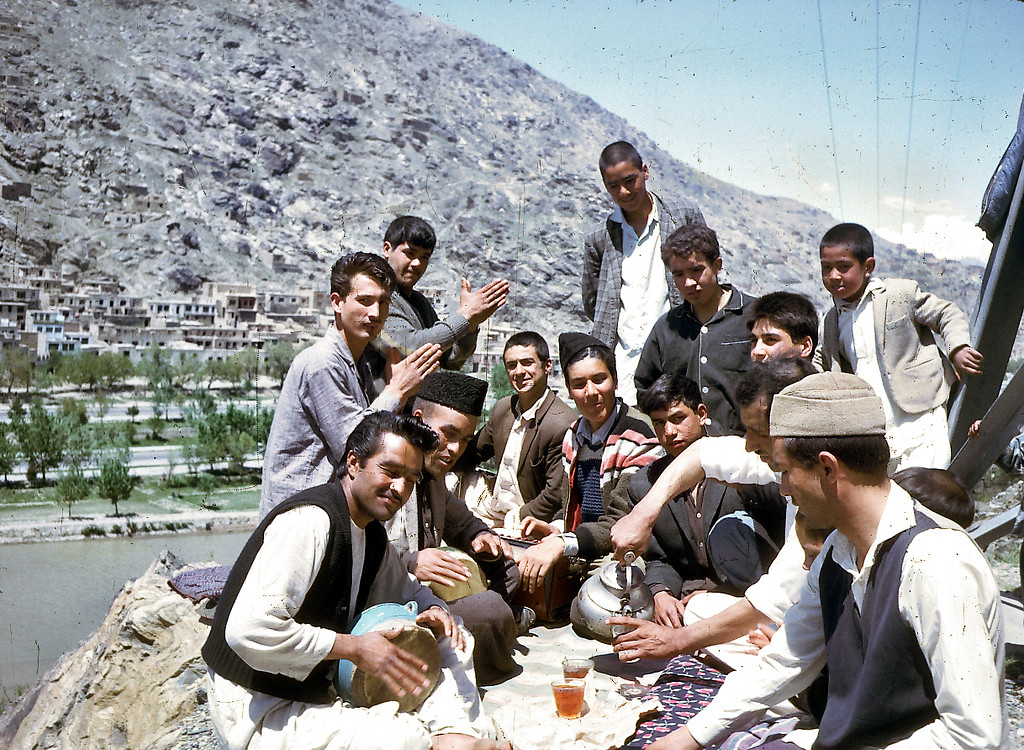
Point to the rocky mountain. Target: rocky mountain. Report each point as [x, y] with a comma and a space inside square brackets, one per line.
[169, 142]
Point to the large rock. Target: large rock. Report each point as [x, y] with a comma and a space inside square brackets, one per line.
[131, 685]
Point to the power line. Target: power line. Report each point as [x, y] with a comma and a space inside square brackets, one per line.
[910, 121]
[956, 84]
[831, 119]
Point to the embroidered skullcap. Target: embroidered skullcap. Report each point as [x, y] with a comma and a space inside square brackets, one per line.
[827, 404]
[455, 390]
[571, 344]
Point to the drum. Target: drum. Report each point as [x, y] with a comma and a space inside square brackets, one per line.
[477, 583]
[364, 689]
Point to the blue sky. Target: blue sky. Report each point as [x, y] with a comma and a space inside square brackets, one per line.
[737, 89]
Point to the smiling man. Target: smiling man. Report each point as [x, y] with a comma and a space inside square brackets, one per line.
[625, 286]
[524, 435]
[705, 338]
[409, 244]
[324, 394]
[450, 403]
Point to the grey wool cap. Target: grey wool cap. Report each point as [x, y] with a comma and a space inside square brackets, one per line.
[827, 404]
[455, 390]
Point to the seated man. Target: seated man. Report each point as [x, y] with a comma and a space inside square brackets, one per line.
[525, 435]
[602, 450]
[310, 568]
[782, 324]
[408, 246]
[705, 338]
[450, 404]
[327, 391]
[716, 619]
[901, 605]
[710, 537]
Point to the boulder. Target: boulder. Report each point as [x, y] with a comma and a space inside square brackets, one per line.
[130, 685]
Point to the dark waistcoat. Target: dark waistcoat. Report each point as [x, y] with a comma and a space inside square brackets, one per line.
[879, 685]
[325, 605]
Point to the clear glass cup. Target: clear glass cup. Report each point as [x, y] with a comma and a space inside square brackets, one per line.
[568, 698]
[576, 669]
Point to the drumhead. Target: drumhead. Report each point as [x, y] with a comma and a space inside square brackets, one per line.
[370, 690]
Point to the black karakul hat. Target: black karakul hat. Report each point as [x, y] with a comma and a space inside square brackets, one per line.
[455, 390]
[570, 344]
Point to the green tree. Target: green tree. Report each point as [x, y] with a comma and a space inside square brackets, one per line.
[277, 359]
[132, 411]
[41, 438]
[499, 387]
[71, 487]
[8, 450]
[74, 411]
[17, 368]
[115, 481]
[157, 368]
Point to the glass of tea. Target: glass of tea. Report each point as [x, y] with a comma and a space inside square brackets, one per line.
[576, 669]
[568, 698]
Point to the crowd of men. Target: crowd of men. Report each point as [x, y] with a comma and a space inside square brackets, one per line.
[743, 450]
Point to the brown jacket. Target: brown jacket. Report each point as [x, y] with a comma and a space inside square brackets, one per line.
[540, 470]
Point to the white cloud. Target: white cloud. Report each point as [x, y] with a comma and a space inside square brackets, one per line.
[946, 236]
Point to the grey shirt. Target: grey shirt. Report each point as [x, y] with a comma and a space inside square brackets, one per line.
[325, 395]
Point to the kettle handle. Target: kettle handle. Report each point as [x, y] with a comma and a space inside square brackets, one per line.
[413, 607]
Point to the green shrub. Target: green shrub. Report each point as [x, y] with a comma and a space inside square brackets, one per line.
[93, 530]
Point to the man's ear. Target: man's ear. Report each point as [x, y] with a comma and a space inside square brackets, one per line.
[336, 300]
[806, 346]
[869, 265]
[386, 248]
[829, 464]
[702, 414]
[548, 365]
[352, 464]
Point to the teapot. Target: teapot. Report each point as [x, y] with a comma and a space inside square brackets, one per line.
[616, 590]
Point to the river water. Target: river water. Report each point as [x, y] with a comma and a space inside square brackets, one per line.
[53, 595]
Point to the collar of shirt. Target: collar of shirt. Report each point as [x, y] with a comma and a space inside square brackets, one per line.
[652, 219]
[870, 290]
[897, 516]
[334, 334]
[596, 439]
[530, 414]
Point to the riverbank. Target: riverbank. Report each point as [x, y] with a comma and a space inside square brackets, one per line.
[68, 529]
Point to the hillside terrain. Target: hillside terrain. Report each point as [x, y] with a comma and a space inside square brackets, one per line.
[172, 142]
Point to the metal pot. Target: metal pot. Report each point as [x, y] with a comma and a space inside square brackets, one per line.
[616, 590]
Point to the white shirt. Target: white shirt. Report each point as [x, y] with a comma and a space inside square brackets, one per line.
[726, 459]
[948, 595]
[643, 295]
[507, 495]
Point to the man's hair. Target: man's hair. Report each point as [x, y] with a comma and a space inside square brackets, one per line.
[602, 353]
[668, 390]
[367, 438]
[690, 239]
[529, 338]
[865, 454]
[766, 379]
[411, 229]
[793, 313]
[617, 153]
[349, 266]
[938, 490]
[854, 236]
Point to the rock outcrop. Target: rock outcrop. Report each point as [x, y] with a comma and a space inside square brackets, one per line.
[133, 684]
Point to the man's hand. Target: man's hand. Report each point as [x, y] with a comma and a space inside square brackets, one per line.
[668, 610]
[760, 637]
[376, 654]
[535, 562]
[491, 547]
[632, 532]
[476, 307]
[408, 374]
[680, 739]
[437, 566]
[647, 640]
[534, 528]
[967, 360]
[442, 624]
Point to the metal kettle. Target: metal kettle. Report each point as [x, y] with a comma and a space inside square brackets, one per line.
[616, 590]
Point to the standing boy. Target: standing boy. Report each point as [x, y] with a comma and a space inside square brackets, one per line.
[705, 338]
[625, 286]
[328, 388]
[524, 435]
[883, 331]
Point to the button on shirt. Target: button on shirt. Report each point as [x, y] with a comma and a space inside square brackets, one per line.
[643, 295]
